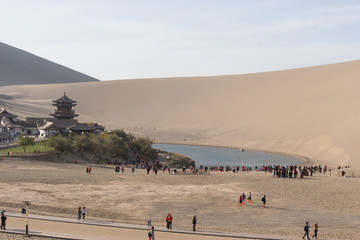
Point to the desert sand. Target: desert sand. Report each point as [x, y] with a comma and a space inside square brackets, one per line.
[17, 237]
[59, 188]
[311, 111]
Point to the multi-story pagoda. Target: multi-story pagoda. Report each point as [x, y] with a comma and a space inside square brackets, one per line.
[63, 121]
[64, 108]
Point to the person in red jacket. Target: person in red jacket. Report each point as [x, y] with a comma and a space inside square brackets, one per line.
[168, 220]
[240, 201]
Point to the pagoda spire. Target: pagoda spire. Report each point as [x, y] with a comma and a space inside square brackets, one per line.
[64, 108]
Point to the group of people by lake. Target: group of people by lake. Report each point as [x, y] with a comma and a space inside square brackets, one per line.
[285, 171]
[277, 171]
[293, 171]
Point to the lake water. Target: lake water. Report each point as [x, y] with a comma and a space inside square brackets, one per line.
[216, 156]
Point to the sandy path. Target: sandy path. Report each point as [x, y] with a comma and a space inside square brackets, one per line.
[84, 231]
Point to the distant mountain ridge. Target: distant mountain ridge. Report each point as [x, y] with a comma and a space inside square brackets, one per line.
[18, 67]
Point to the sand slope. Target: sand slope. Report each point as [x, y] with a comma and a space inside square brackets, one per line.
[20, 67]
[309, 111]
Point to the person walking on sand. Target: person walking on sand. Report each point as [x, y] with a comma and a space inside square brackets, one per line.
[194, 223]
[244, 198]
[249, 197]
[79, 214]
[151, 233]
[264, 201]
[316, 229]
[83, 213]
[240, 201]
[306, 230]
[168, 220]
[3, 221]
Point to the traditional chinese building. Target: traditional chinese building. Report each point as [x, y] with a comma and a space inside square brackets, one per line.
[10, 125]
[64, 108]
[62, 121]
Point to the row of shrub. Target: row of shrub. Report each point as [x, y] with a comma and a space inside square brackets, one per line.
[113, 144]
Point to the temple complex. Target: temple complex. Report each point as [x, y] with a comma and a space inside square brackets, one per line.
[63, 121]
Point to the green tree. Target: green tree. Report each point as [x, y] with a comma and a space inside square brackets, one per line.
[45, 142]
[127, 137]
[181, 160]
[71, 136]
[143, 146]
[107, 146]
[25, 141]
[120, 133]
[60, 144]
[82, 144]
[118, 147]
[99, 148]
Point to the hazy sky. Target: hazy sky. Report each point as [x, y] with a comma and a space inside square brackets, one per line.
[119, 39]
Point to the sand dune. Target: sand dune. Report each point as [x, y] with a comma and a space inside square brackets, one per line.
[20, 67]
[308, 111]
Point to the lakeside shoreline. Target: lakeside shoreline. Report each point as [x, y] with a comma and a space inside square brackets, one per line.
[303, 158]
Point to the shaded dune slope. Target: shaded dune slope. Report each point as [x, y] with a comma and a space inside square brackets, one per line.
[309, 111]
[18, 67]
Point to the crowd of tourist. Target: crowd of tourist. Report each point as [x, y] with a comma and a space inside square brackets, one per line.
[277, 171]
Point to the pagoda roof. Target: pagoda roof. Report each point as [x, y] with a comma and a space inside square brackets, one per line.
[60, 115]
[5, 121]
[37, 120]
[5, 113]
[58, 124]
[87, 127]
[64, 99]
[47, 125]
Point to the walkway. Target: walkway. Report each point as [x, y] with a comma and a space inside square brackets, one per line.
[67, 228]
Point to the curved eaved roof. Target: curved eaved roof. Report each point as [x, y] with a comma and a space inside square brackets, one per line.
[64, 99]
[5, 113]
[46, 125]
